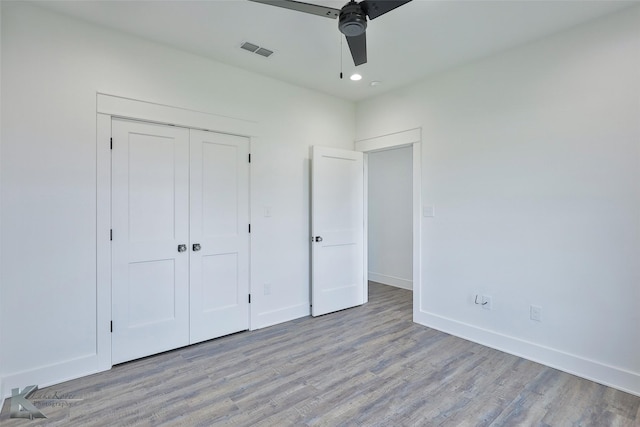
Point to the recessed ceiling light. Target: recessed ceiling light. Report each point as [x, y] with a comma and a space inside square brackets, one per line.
[375, 83]
[355, 77]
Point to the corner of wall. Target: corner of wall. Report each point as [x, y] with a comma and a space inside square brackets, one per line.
[590, 369]
[1, 371]
[270, 318]
[391, 280]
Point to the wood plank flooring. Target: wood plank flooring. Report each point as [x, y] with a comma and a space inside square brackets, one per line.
[367, 366]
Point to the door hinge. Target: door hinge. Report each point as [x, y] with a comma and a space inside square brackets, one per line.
[111, 234]
[111, 143]
[111, 325]
[249, 228]
[249, 298]
[249, 157]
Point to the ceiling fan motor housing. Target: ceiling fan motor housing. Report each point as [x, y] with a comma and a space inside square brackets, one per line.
[353, 20]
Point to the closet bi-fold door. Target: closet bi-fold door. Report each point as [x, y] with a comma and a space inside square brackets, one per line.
[150, 226]
[219, 261]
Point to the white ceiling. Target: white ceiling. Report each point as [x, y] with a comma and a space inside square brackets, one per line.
[415, 40]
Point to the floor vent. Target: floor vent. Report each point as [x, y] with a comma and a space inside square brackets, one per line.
[256, 49]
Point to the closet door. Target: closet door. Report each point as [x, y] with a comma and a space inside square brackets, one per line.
[219, 243]
[150, 220]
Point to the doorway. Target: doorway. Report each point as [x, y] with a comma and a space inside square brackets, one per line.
[390, 232]
[411, 139]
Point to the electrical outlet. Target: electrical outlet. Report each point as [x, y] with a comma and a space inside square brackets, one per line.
[487, 302]
[267, 288]
[535, 312]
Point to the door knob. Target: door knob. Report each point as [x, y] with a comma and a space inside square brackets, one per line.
[318, 238]
[182, 248]
[196, 247]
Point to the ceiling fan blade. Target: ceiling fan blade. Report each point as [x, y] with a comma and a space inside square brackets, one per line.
[314, 9]
[375, 8]
[358, 48]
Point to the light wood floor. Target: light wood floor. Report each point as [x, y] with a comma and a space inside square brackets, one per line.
[367, 366]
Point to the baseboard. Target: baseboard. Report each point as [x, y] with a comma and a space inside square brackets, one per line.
[281, 315]
[46, 376]
[391, 281]
[589, 369]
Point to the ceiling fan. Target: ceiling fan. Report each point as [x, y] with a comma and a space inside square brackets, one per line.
[352, 19]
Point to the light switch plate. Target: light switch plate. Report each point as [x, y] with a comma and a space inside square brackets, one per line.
[428, 211]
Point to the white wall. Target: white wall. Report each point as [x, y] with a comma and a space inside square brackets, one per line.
[532, 161]
[52, 68]
[390, 241]
[0, 196]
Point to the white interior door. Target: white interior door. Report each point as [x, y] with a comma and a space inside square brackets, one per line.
[150, 219]
[337, 199]
[219, 235]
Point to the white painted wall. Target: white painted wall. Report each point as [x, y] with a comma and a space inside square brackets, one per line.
[0, 196]
[532, 161]
[52, 68]
[390, 240]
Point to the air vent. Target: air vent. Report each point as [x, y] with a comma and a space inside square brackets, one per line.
[256, 49]
[264, 52]
[249, 46]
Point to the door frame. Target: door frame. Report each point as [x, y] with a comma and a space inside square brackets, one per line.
[112, 106]
[407, 138]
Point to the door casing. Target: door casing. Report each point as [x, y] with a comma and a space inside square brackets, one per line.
[412, 138]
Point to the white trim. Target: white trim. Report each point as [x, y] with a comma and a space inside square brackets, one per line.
[391, 280]
[385, 142]
[103, 249]
[280, 315]
[413, 138]
[159, 113]
[592, 370]
[365, 224]
[253, 307]
[48, 375]
[417, 225]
